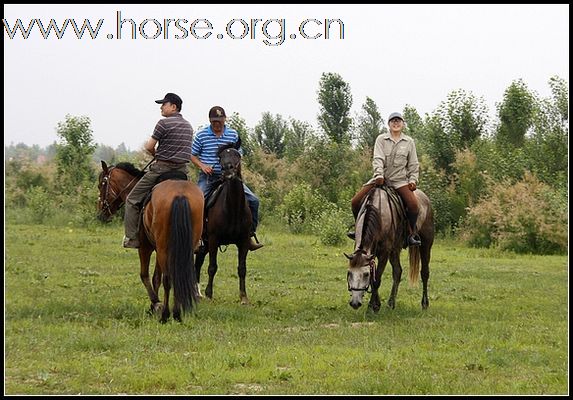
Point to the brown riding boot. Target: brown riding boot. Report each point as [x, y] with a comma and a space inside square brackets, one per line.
[254, 244]
[413, 237]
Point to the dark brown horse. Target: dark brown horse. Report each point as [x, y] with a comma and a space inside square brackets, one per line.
[172, 226]
[229, 220]
[381, 229]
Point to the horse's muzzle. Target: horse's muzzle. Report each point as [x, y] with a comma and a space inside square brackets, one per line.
[355, 304]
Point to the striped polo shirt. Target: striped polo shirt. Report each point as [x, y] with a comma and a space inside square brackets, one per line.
[206, 144]
[175, 137]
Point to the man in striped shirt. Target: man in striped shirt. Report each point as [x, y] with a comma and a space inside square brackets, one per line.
[175, 137]
[204, 156]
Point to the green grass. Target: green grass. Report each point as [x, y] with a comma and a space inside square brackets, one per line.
[76, 322]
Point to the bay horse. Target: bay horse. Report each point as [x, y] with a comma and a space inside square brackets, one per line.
[229, 220]
[172, 222]
[381, 231]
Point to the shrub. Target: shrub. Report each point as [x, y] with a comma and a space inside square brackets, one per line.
[332, 224]
[525, 217]
[40, 204]
[301, 205]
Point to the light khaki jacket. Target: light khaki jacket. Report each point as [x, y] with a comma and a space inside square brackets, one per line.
[405, 167]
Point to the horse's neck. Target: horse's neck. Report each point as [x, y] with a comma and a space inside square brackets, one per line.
[234, 194]
[366, 234]
[126, 184]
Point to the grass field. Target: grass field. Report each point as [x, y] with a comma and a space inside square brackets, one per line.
[76, 323]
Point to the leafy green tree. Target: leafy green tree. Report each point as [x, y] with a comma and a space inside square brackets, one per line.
[457, 123]
[239, 124]
[548, 148]
[560, 90]
[74, 152]
[297, 137]
[515, 114]
[415, 127]
[464, 117]
[270, 133]
[335, 101]
[369, 124]
[440, 146]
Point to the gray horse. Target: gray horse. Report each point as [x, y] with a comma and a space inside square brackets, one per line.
[381, 229]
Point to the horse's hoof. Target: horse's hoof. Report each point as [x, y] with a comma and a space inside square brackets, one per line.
[245, 301]
[374, 307]
[391, 304]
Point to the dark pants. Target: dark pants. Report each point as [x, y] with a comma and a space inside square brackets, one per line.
[140, 191]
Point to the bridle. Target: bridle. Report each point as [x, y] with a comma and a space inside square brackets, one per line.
[230, 166]
[107, 204]
[372, 265]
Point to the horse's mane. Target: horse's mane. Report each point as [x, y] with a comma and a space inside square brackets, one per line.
[130, 168]
[371, 225]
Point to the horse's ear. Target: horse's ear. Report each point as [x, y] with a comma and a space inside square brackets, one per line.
[238, 143]
[104, 166]
[347, 256]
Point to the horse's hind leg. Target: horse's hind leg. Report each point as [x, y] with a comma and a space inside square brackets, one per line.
[166, 289]
[156, 278]
[396, 276]
[425, 273]
[144, 259]
[242, 272]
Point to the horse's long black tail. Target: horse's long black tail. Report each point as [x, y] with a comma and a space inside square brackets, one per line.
[180, 258]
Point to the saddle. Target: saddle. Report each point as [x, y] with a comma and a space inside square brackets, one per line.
[174, 175]
[213, 197]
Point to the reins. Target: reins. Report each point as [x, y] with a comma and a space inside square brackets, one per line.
[106, 204]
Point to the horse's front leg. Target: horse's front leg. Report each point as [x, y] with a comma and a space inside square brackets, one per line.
[199, 260]
[166, 289]
[242, 272]
[375, 303]
[212, 270]
[396, 276]
[144, 259]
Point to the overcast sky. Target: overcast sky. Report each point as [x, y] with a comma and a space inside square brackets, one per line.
[395, 54]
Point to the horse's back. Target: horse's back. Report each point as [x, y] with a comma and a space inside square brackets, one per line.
[158, 211]
[425, 215]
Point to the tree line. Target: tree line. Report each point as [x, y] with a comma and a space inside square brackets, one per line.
[500, 183]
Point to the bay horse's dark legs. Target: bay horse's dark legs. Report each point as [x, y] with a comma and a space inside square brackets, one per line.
[144, 259]
[199, 260]
[212, 268]
[425, 273]
[242, 271]
[166, 289]
[375, 302]
[396, 276]
[156, 278]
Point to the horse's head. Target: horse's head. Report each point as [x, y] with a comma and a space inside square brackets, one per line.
[360, 275]
[230, 160]
[113, 183]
